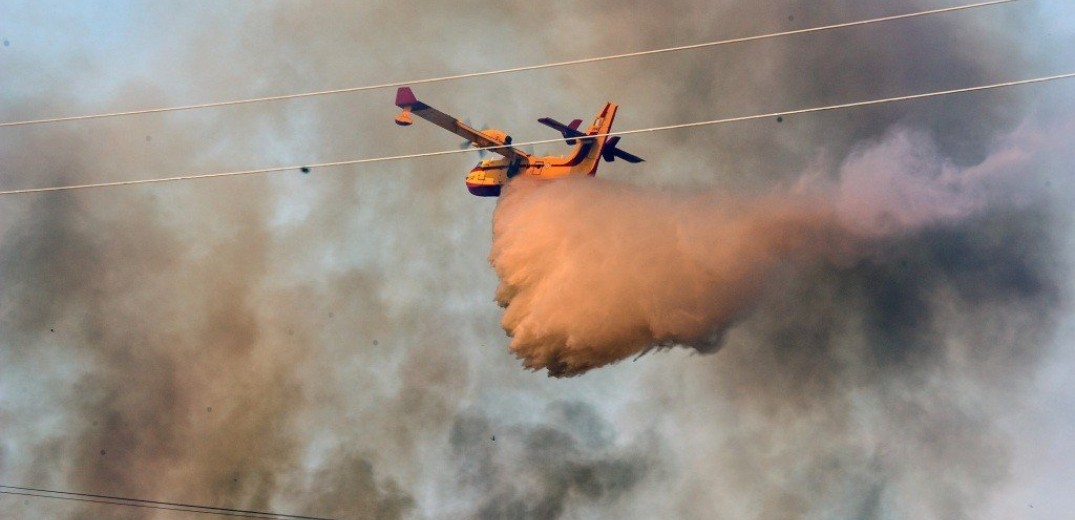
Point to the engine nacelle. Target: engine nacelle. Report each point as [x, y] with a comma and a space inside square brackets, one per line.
[497, 135]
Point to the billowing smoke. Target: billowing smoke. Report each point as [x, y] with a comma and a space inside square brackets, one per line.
[593, 271]
[570, 462]
[883, 284]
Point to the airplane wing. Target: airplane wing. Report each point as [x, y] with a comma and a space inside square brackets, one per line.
[406, 100]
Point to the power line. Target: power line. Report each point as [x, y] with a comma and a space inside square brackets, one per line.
[150, 504]
[138, 505]
[697, 124]
[510, 70]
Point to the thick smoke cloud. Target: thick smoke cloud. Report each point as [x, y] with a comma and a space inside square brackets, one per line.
[572, 462]
[325, 344]
[594, 271]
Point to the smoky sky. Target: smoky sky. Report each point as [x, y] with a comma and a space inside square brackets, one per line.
[328, 344]
[682, 268]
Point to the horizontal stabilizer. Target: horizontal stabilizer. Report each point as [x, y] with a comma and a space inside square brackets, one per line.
[569, 131]
[610, 152]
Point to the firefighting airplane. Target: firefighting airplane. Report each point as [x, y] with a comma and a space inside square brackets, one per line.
[486, 179]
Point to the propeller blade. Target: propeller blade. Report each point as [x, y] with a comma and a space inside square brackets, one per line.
[466, 144]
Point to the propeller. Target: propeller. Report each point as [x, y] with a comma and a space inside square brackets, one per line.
[467, 143]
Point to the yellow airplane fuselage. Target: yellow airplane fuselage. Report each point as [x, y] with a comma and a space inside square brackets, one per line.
[490, 175]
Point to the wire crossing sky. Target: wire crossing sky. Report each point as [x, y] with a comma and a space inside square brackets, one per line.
[509, 70]
[840, 306]
[697, 124]
[150, 504]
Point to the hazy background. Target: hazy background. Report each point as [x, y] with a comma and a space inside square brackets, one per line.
[328, 344]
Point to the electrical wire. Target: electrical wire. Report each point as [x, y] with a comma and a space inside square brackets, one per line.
[511, 70]
[150, 504]
[696, 124]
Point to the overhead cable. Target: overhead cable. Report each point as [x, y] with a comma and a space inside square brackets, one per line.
[509, 70]
[697, 124]
[150, 504]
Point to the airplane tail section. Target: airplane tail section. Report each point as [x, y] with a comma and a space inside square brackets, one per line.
[590, 150]
[609, 150]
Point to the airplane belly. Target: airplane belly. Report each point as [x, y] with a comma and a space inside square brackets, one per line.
[484, 190]
[485, 183]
